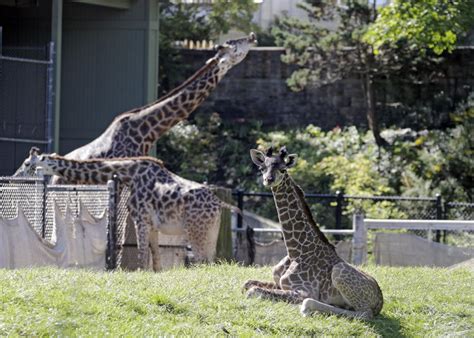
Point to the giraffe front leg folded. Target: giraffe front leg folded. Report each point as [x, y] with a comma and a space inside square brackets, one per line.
[289, 296]
[256, 283]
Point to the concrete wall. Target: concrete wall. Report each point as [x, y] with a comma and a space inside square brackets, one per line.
[256, 89]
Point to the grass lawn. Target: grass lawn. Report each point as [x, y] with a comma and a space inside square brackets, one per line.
[206, 300]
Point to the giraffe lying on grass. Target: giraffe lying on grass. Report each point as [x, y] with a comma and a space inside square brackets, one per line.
[312, 273]
[160, 201]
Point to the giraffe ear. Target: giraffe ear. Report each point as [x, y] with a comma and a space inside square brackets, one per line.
[291, 161]
[257, 157]
[34, 151]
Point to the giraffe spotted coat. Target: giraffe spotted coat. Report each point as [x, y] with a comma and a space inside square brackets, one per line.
[312, 273]
[159, 202]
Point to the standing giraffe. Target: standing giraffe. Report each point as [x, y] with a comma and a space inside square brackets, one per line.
[159, 201]
[312, 273]
[135, 132]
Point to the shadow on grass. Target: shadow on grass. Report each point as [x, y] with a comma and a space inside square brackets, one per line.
[387, 326]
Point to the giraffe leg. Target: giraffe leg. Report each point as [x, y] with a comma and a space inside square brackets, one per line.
[359, 290]
[155, 250]
[255, 283]
[143, 240]
[280, 269]
[289, 296]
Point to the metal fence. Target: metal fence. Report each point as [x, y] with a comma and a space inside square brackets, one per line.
[26, 101]
[37, 198]
[335, 211]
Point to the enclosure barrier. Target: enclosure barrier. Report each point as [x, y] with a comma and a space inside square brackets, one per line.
[359, 233]
[361, 226]
[37, 199]
[250, 232]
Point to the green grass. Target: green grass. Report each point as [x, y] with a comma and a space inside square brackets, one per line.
[207, 301]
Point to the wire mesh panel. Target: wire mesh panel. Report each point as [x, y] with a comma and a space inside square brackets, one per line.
[94, 198]
[457, 210]
[27, 193]
[126, 252]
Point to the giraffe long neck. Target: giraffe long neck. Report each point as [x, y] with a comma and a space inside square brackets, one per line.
[149, 123]
[302, 236]
[96, 171]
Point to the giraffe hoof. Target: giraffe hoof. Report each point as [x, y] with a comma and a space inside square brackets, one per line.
[306, 309]
[252, 293]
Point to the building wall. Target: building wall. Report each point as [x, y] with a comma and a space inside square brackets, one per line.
[106, 66]
[25, 34]
[256, 89]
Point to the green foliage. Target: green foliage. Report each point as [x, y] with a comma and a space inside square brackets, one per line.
[207, 301]
[197, 22]
[351, 41]
[424, 25]
[211, 150]
[417, 164]
[236, 14]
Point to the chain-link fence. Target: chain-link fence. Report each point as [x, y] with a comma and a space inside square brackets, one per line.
[335, 211]
[37, 199]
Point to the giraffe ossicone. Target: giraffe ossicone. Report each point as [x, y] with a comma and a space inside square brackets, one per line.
[312, 274]
[159, 202]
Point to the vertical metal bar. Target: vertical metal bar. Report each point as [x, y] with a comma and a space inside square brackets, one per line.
[111, 261]
[240, 205]
[45, 196]
[1, 39]
[40, 174]
[49, 98]
[251, 244]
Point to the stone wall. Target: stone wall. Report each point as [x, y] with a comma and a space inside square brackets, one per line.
[256, 89]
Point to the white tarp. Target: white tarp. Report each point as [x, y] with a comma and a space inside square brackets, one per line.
[395, 249]
[77, 241]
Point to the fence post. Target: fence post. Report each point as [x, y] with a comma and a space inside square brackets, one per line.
[40, 174]
[251, 244]
[111, 261]
[224, 239]
[240, 205]
[439, 215]
[359, 240]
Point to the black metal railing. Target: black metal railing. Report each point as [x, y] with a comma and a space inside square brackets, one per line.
[428, 207]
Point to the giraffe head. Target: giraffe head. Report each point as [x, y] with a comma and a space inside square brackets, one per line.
[34, 161]
[233, 51]
[273, 166]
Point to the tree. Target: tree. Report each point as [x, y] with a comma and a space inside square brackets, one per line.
[324, 55]
[426, 25]
[196, 22]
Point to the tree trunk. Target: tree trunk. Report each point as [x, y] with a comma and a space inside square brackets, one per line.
[372, 118]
